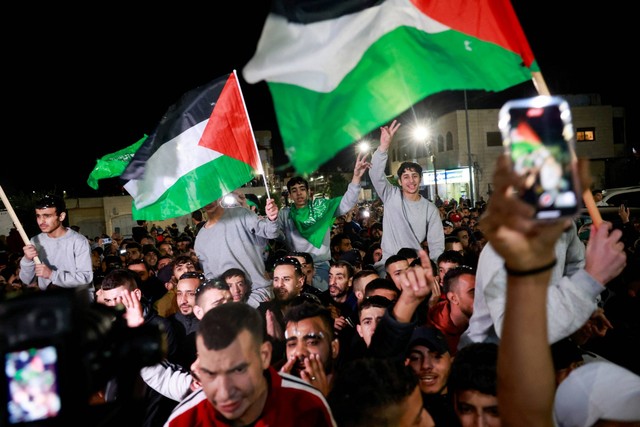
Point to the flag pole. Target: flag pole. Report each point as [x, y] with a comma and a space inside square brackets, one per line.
[255, 144]
[16, 221]
[587, 197]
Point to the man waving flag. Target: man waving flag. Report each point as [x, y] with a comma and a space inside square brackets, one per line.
[339, 72]
[203, 148]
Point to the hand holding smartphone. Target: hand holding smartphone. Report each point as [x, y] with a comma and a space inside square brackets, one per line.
[538, 135]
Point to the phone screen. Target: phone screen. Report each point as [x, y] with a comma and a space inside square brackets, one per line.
[32, 384]
[539, 138]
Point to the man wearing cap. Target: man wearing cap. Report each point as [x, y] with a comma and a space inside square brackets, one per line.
[409, 219]
[447, 227]
[430, 360]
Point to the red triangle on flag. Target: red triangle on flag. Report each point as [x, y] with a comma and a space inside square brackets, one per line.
[228, 130]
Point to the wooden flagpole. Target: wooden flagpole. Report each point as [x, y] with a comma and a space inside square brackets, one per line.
[16, 221]
[587, 197]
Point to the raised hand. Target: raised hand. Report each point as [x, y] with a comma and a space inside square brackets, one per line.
[271, 209]
[361, 166]
[386, 135]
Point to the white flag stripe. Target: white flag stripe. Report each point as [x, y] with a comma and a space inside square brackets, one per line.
[318, 56]
[171, 161]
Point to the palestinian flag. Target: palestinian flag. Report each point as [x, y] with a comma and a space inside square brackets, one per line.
[202, 149]
[337, 73]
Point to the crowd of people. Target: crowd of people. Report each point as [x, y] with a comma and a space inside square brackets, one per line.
[403, 312]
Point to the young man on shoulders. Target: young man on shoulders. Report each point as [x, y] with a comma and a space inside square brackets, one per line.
[409, 219]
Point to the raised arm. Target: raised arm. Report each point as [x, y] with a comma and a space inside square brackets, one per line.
[526, 381]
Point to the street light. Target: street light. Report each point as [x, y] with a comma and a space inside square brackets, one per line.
[422, 135]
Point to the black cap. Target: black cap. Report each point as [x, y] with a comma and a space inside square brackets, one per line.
[429, 337]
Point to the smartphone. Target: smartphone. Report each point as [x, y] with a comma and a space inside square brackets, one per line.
[106, 241]
[32, 384]
[538, 135]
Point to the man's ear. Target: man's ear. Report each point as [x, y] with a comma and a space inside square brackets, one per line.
[138, 293]
[453, 298]
[62, 216]
[198, 311]
[335, 348]
[265, 354]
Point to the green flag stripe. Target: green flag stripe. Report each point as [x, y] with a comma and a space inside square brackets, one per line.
[188, 194]
[400, 69]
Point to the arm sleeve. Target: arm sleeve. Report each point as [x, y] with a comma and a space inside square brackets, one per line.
[570, 303]
[168, 379]
[349, 199]
[27, 270]
[377, 176]
[435, 234]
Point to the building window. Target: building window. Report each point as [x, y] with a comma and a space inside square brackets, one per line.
[449, 141]
[585, 134]
[494, 139]
[440, 144]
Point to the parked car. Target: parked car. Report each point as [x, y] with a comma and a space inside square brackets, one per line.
[614, 197]
[629, 196]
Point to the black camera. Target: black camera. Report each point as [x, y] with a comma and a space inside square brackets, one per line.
[59, 348]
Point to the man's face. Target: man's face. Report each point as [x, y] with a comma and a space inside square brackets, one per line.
[447, 229]
[180, 268]
[464, 238]
[307, 269]
[141, 270]
[465, 293]
[211, 298]
[238, 288]
[232, 378]
[151, 258]
[474, 409]
[395, 269]
[186, 294]
[306, 337]
[113, 297]
[299, 195]
[339, 281]
[410, 181]
[369, 319]
[344, 246]
[133, 254]
[432, 369]
[454, 246]
[286, 283]
[443, 267]
[48, 220]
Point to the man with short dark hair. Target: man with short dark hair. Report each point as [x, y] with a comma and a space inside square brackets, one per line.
[306, 224]
[378, 392]
[312, 348]
[58, 256]
[238, 385]
[409, 219]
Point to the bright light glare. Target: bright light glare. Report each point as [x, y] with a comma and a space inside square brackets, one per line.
[420, 133]
[364, 147]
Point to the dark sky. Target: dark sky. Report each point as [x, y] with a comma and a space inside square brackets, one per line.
[83, 83]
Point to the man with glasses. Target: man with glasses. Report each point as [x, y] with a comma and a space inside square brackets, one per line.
[58, 256]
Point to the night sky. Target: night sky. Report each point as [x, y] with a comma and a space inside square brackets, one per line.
[80, 84]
